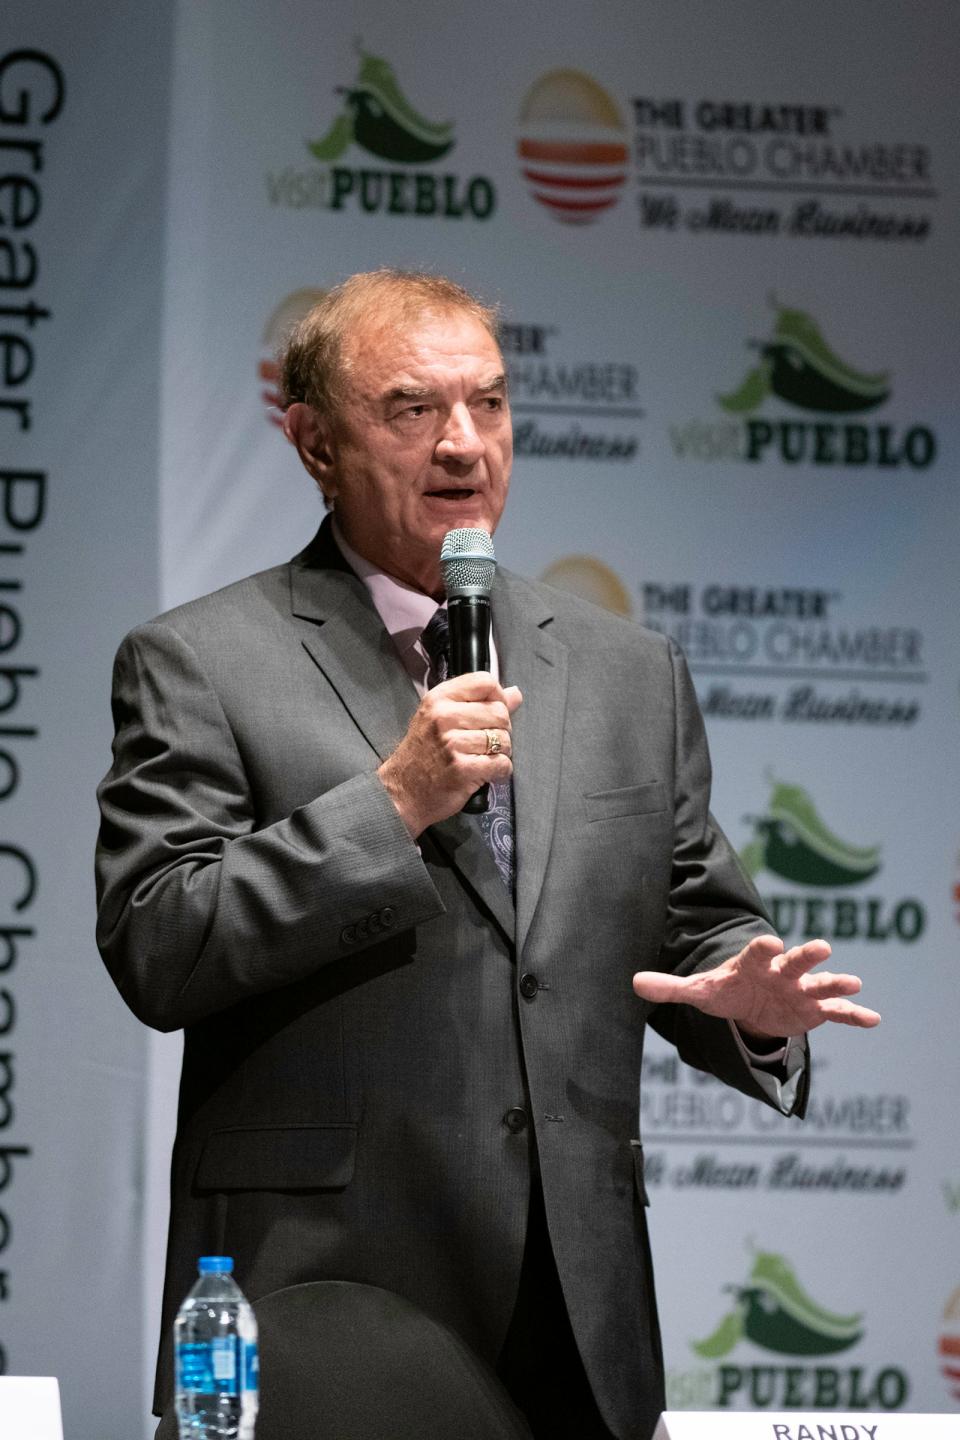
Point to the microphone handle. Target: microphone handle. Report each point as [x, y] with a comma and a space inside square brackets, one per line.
[469, 617]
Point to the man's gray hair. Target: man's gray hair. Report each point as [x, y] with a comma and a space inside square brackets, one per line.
[313, 365]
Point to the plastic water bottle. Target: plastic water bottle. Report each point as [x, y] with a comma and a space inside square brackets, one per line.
[215, 1357]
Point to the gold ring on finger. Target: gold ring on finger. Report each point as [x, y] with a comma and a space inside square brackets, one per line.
[493, 742]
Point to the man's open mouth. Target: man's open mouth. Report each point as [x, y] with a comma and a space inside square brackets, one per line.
[460, 493]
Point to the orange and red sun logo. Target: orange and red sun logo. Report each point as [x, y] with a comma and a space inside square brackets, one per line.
[285, 316]
[572, 146]
[949, 1346]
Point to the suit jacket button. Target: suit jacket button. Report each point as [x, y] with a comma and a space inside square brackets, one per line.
[387, 916]
[515, 1119]
[529, 985]
[373, 924]
[348, 935]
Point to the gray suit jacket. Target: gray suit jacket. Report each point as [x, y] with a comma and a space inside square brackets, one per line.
[355, 1031]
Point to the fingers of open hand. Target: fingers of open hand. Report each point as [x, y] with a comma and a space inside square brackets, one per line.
[759, 952]
[828, 985]
[826, 996]
[843, 1012]
[800, 959]
[659, 989]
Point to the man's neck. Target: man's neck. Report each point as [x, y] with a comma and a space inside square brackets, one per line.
[367, 568]
[403, 609]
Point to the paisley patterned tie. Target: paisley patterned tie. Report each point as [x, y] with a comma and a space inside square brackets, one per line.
[435, 639]
[496, 824]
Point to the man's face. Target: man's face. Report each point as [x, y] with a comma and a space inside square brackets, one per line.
[422, 443]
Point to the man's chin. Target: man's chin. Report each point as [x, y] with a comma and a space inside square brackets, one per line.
[457, 509]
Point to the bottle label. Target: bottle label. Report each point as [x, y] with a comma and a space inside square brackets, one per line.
[208, 1367]
[250, 1365]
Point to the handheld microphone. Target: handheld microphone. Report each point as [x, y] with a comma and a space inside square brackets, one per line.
[468, 564]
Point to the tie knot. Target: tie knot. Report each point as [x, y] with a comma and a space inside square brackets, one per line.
[435, 639]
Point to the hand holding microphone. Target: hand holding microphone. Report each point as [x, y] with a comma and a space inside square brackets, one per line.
[460, 736]
[468, 565]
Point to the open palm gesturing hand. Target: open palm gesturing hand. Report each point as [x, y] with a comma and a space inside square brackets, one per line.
[765, 990]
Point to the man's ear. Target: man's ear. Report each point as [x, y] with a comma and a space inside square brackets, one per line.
[310, 434]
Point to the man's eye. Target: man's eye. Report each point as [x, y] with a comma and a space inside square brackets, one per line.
[492, 402]
[416, 411]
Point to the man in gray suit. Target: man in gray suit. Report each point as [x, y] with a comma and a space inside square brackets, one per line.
[413, 1037]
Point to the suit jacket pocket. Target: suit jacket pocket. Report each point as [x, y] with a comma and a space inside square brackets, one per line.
[289, 1157]
[644, 799]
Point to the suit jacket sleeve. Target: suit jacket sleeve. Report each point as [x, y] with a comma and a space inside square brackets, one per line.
[714, 908]
[200, 907]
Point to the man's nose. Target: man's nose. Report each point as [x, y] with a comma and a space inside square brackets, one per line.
[460, 440]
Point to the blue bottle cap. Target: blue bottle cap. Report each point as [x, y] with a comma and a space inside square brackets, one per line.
[215, 1265]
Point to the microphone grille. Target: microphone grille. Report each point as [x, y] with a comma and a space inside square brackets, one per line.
[467, 562]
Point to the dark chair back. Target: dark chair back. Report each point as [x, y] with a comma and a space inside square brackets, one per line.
[340, 1361]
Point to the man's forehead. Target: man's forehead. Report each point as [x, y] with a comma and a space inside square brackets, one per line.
[382, 353]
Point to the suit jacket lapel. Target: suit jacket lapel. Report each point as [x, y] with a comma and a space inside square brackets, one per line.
[348, 642]
[532, 657]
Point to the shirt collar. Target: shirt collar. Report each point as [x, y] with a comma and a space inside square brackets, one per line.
[403, 610]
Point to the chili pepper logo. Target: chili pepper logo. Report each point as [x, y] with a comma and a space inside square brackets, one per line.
[799, 366]
[377, 116]
[792, 841]
[572, 146]
[774, 1311]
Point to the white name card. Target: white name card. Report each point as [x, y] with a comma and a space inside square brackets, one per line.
[796, 1425]
[30, 1408]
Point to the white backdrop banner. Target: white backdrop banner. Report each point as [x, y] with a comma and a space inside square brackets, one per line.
[725, 247]
[724, 240]
[82, 150]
